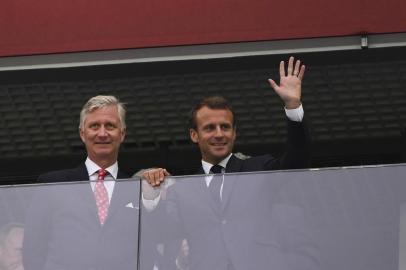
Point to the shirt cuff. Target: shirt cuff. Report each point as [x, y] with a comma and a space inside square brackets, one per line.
[295, 114]
[150, 205]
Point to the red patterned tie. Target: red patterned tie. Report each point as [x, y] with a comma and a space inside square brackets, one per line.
[102, 197]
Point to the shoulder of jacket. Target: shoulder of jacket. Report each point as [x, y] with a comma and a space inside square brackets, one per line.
[241, 156]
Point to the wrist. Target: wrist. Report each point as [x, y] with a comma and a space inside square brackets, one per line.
[292, 104]
[152, 195]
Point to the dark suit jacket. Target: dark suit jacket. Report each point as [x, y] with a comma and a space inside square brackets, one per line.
[63, 230]
[295, 156]
[255, 228]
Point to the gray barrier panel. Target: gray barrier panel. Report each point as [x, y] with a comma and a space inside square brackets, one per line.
[348, 218]
[62, 230]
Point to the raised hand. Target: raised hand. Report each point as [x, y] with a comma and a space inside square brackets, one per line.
[290, 84]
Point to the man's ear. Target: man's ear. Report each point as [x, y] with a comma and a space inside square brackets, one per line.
[81, 134]
[123, 132]
[194, 136]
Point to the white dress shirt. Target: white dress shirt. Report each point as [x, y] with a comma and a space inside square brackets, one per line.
[295, 114]
[109, 179]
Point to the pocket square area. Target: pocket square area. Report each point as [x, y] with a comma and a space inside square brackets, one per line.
[131, 205]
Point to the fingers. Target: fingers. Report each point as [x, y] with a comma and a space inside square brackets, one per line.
[297, 68]
[156, 176]
[289, 87]
[294, 68]
[282, 69]
[301, 72]
[273, 84]
[290, 65]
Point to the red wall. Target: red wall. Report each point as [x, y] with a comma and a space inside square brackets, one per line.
[51, 26]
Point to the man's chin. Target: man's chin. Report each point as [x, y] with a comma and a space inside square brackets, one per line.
[103, 152]
[103, 147]
[220, 155]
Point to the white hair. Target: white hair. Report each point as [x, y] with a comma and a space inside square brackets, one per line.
[98, 102]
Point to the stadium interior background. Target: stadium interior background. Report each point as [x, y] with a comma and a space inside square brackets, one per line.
[354, 101]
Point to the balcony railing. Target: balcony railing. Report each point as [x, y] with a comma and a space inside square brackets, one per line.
[341, 218]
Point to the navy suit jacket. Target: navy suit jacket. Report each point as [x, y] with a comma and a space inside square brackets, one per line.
[295, 156]
[256, 227]
[63, 229]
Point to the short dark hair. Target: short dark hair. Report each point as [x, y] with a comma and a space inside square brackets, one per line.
[212, 102]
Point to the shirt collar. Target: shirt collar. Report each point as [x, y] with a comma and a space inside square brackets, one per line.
[92, 168]
[207, 166]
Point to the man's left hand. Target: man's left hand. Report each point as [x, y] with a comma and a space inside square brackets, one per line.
[290, 85]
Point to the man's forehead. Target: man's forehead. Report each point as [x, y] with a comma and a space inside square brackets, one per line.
[102, 119]
[109, 113]
[207, 113]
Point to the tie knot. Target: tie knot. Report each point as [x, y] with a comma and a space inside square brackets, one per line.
[101, 174]
[217, 169]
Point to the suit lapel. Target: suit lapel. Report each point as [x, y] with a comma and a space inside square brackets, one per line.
[120, 198]
[200, 171]
[199, 185]
[201, 188]
[122, 175]
[126, 192]
[234, 165]
[84, 191]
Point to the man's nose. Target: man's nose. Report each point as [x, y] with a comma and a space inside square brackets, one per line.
[219, 132]
[102, 131]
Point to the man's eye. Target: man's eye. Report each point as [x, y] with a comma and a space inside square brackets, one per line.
[225, 127]
[110, 126]
[94, 126]
[209, 128]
